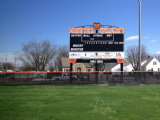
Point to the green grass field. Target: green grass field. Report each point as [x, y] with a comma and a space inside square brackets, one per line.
[80, 102]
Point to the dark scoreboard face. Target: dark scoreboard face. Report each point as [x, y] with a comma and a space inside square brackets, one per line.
[97, 42]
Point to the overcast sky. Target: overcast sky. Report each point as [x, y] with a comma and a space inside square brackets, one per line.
[24, 20]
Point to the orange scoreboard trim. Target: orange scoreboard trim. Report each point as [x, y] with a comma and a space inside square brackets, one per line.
[75, 59]
[102, 30]
[120, 60]
[72, 60]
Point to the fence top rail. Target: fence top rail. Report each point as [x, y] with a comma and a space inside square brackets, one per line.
[87, 72]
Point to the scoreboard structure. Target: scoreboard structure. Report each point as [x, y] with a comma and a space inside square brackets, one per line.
[105, 47]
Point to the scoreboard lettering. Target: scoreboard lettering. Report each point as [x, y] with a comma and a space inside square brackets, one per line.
[96, 37]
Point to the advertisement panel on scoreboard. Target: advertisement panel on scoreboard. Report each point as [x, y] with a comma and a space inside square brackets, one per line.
[96, 55]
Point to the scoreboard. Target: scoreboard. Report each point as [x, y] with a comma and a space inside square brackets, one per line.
[96, 46]
[103, 47]
[96, 42]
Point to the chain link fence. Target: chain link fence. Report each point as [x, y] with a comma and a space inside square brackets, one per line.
[79, 78]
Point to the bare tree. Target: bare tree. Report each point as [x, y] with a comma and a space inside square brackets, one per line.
[63, 51]
[36, 55]
[133, 55]
[26, 67]
[157, 56]
[52, 65]
[8, 65]
[100, 66]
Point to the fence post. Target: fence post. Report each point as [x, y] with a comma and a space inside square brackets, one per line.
[50, 75]
[121, 73]
[70, 73]
[96, 74]
[3, 77]
[135, 73]
[27, 79]
[45, 78]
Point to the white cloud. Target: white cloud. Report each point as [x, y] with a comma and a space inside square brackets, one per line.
[153, 41]
[132, 38]
[158, 52]
[146, 37]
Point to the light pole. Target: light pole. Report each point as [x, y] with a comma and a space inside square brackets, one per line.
[139, 35]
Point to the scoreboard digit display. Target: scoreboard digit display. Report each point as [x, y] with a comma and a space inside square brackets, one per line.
[96, 37]
[97, 42]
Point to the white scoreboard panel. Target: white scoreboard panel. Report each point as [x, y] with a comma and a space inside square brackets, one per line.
[96, 55]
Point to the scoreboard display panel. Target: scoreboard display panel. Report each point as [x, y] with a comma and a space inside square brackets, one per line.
[97, 42]
[96, 46]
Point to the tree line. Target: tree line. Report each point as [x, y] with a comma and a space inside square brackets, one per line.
[45, 54]
[37, 56]
[132, 55]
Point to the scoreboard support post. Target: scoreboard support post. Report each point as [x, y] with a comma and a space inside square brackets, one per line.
[71, 73]
[96, 67]
[96, 75]
[121, 72]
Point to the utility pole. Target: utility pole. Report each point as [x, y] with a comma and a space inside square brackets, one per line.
[139, 35]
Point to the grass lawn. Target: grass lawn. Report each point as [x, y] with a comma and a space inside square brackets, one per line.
[80, 102]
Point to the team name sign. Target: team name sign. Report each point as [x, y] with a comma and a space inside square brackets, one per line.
[91, 30]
